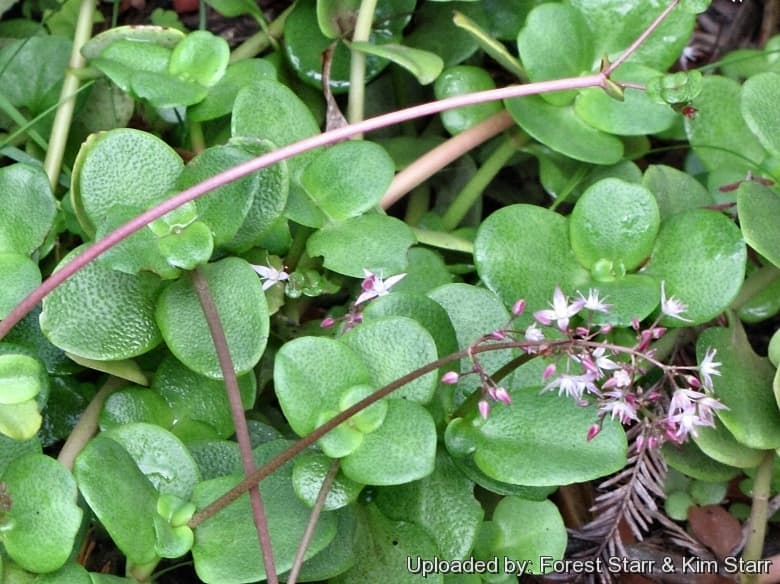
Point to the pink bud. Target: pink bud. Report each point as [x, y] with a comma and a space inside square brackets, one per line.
[484, 409]
[518, 307]
[658, 332]
[328, 322]
[606, 329]
[593, 431]
[548, 371]
[498, 335]
[502, 395]
[450, 378]
[693, 381]
[581, 331]
[635, 323]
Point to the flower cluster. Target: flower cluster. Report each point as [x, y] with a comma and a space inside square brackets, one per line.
[584, 365]
[372, 286]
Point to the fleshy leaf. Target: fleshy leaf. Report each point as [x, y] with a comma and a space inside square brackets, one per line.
[311, 374]
[136, 166]
[760, 94]
[514, 444]
[759, 208]
[457, 81]
[424, 65]
[555, 43]
[21, 378]
[200, 57]
[522, 529]
[392, 347]
[160, 456]
[701, 256]
[434, 31]
[562, 130]
[442, 503]
[28, 207]
[102, 314]
[131, 524]
[690, 460]
[348, 179]
[20, 277]
[675, 191]
[194, 397]
[409, 428]
[243, 311]
[44, 511]
[135, 404]
[309, 472]
[744, 386]
[219, 101]
[287, 517]
[377, 243]
[616, 221]
[719, 444]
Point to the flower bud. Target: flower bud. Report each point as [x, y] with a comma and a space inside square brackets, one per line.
[450, 378]
[518, 307]
[327, 322]
[502, 395]
[593, 431]
[484, 409]
[548, 371]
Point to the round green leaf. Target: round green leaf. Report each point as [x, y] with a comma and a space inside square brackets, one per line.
[123, 58]
[200, 57]
[457, 81]
[32, 68]
[21, 378]
[614, 220]
[225, 208]
[708, 493]
[759, 208]
[311, 374]
[368, 419]
[44, 511]
[377, 243]
[11, 449]
[194, 397]
[377, 344]
[28, 207]
[403, 449]
[514, 444]
[131, 523]
[20, 277]
[630, 297]
[690, 460]
[243, 312]
[562, 130]
[102, 314]
[719, 444]
[760, 95]
[341, 440]
[215, 458]
[189, 248]
[273, 184]
[226, 547]
[555, 43]
[219, 101]
[124, 165]
[335, 17]
[677, 505]
[743, 386]
[528, 529]
[636, 115]
[719, 135]
[307, 477]
[701, 256]
[348, 179]
[135, 404]
[659, 51]
[162, 36]
[165, 91]
[547, 260]
[442, 503]
[674, 191]
[160, 456]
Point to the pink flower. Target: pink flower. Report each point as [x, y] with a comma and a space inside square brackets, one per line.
[374, 286]
[573, 385]
[708, 367]
[560, 312]
[672, 307]
[622, 405]
[593, 302]
[270, 275]
[533, 333]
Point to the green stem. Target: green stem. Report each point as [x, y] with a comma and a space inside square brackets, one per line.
[754, 283]
[203, 17]
[87, 425]
[417, 205]
[357, 68]
[298, 247]
[443, 240]
[473, 189]
[197, 140]
[754, 547]
[261, 40]
[141, 572]
[237, 412]
[67, 102]
[18, 118]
